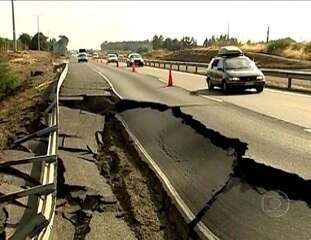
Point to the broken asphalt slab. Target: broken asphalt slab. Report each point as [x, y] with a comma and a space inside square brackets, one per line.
[77, 129]
[237, 208]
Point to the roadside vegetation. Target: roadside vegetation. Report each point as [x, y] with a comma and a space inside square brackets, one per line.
[8, 80]
[28, 42]
[169, 48]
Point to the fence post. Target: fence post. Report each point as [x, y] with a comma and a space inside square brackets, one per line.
[186, 68]
[164, 65]
[289, 83]
[178, 67]
[196, 69]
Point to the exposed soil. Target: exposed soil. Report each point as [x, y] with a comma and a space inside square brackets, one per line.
[36, 74]
[147, 208]
[141, 201]
[205, 55]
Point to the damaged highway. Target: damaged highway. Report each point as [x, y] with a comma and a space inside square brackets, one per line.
[150, 170]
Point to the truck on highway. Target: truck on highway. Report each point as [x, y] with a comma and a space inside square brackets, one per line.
[231, 69]
[82, 57]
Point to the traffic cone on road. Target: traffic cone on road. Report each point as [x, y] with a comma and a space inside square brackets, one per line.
[133, 67]
[170, 79]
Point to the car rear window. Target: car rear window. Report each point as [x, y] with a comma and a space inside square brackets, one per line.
[238, 63]
[135, 56]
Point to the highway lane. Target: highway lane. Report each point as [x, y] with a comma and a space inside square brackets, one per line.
[270, 140]
[237, 213]
[286, 106]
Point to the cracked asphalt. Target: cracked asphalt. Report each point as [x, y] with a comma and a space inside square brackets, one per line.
[192, 162]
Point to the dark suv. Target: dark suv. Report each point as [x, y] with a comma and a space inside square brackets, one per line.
[230, 69]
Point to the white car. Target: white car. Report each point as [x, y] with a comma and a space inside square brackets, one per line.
[112, 58]
[135, 58]
[95, 55]
[82, 57]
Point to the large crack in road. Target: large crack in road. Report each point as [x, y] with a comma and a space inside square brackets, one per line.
[247, 201]
[225, 190]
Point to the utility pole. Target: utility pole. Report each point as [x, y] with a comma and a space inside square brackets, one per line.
[268, 33]
[13, 21]
[38, 26]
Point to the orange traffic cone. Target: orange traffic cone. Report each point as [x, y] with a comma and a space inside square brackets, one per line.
[133, 67]
[170, 79]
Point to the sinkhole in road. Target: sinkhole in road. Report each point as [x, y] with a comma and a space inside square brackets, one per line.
[223, 189]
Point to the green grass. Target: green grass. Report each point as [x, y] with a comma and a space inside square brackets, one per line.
[8, 81]
[277, 46]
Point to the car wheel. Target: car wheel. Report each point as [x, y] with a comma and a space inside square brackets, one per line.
[224, 86]
[259, 89]
[209, 84]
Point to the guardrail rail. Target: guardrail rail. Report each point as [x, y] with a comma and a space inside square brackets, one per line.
[201, 68]
[42, 198]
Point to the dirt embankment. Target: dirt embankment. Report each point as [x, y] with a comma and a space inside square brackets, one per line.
[35, 73]
[206, 54]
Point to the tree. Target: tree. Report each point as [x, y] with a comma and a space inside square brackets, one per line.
[60, 47]
[175, 45]
[43, 42]
[157, 42]
[25, 39]
[206, 42]
[187, 42]
[167, 43]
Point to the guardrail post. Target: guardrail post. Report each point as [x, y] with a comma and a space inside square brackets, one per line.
[196, 69]
[289, 83]
[186, 68]
[171, 66]
[159, 65]
[178, 67]
[164, 65]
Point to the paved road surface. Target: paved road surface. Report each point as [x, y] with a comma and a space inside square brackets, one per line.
[272, 140]
[287, 106]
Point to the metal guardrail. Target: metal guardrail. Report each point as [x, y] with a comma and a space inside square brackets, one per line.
[43, 195]
[201, 68]
[47, 204]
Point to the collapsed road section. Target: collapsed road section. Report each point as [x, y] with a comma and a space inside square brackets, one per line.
[168, 176]
[104, 189]
[233, 196]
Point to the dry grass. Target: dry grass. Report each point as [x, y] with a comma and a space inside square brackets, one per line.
[18, 111]
[257, 47]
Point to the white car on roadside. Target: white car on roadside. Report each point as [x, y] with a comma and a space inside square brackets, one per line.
[135, 58]
[112, 58]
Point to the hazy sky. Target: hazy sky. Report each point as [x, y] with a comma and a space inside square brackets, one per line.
[88, 23]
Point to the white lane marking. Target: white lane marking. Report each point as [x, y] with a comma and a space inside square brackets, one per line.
[211, 98]
[287, 93]
[180, 204]
[169, 187]
[308, 130]
[110, 84]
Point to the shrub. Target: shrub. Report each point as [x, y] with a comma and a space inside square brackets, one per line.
[307, 48]
[297, 46]
[8, 81]
[276, 46]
